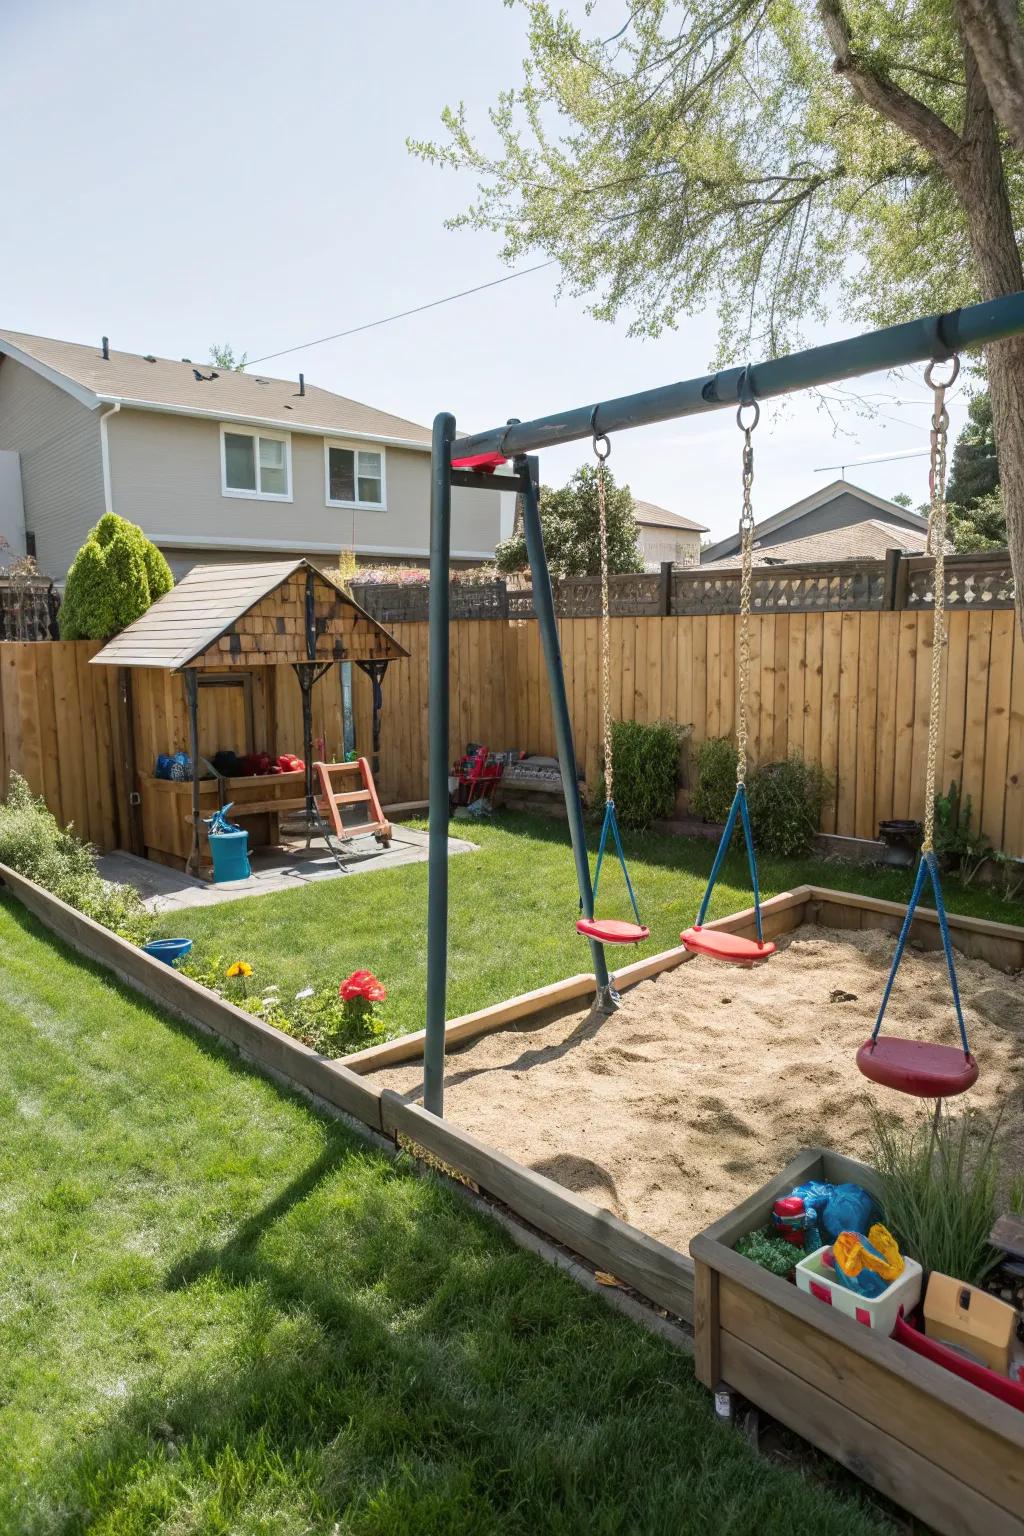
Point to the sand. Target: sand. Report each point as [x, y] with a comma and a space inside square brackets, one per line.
[710, 1077]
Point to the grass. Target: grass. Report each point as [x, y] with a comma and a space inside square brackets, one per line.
[513, 908]
[221, 1313]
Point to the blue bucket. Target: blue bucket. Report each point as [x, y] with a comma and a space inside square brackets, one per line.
[170, 951]
[230, 854]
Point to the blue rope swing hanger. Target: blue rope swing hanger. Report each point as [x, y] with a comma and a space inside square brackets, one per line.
[712, 942]
[916, 1067]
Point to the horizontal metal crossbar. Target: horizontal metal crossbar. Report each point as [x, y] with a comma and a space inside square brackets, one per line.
[933, 337]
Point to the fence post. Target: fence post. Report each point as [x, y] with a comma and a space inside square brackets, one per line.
[666, 588]
[892, 571]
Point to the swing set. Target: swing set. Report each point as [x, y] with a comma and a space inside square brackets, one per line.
[910, 1066]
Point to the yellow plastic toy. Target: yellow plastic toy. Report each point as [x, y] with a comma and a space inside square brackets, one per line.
[867, 1264]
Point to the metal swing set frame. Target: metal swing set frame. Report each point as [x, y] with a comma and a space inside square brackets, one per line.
[469, 462]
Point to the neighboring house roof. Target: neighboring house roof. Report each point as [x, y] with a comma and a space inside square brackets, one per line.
[650, 516]
[204, 605]
[165, 385]
[892, 509]
[860, 541]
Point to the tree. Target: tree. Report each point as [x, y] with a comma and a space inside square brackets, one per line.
[901, 499]
[983, 527]
[975, 469]
[223, 356]
[569, 518]
[973, 494]
[768, 156]
[116, 575]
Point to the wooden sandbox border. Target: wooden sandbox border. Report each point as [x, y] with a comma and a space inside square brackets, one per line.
[658, 1272]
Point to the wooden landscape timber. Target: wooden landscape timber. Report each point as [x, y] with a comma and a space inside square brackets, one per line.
[946, 1451]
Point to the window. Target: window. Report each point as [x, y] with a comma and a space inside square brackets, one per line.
[355, 476]
[257, 464]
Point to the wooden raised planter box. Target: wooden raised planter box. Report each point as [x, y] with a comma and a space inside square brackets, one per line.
[945, 1450]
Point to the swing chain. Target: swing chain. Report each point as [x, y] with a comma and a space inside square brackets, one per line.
[602, 448]
[937, 548]
[746, 583]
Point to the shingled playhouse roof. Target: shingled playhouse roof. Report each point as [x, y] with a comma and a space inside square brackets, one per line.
[246, 615]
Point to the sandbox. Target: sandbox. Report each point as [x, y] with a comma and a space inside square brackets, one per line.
[672, 1111]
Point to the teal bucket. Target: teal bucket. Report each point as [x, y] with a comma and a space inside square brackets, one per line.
[230, 854]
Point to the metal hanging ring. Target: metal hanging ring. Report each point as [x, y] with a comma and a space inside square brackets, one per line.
[748, 426]
[934, 383]
[602, 452]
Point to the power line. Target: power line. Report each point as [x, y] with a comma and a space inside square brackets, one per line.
[402, 314]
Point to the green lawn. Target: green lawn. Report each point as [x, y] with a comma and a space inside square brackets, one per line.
[513, 915]
[220, 1313]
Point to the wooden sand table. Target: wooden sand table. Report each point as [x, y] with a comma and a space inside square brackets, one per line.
[710, 1078]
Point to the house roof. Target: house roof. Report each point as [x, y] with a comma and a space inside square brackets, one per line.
[860, 541]
[200, 389]
[650, 516]
[183, 624]
[892, 509]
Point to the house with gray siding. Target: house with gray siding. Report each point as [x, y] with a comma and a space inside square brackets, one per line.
[215, 465]
[841, 521]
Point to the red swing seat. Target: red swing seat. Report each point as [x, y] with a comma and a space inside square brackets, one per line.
[612, 931]
[733, 948]
[918, 1067]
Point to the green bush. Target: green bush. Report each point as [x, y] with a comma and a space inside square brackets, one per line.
[645, 759]
[116, 575]
[34, 843]
[786, 801]
[716, 779]
[939, 1188]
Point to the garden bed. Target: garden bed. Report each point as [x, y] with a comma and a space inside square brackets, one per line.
[946, 1451]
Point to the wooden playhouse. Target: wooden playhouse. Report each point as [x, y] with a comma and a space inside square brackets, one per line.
[229, 661]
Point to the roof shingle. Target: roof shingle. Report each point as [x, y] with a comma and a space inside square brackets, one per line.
[174, 386]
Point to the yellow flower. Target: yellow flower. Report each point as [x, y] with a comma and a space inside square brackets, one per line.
[240, 968]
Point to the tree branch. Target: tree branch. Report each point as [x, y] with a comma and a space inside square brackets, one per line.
[879, 91]
[993, 32]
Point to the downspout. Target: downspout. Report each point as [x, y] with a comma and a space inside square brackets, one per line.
[108, 500]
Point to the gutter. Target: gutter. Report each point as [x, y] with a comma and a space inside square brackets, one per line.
[108, 499]
[341, 433]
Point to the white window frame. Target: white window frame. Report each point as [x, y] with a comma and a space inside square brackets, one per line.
[239, 430]
[356, 448]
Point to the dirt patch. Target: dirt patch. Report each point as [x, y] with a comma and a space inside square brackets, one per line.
[709, 1078]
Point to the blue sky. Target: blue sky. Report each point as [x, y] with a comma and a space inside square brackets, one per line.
[181, 173]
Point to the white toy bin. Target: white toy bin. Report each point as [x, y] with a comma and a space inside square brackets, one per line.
[880, 1312]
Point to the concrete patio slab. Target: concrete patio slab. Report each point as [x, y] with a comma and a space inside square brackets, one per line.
[277, 869]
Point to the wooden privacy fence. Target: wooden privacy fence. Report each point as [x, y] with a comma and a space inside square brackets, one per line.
[78, 733]
[847, 690]
[62, 727]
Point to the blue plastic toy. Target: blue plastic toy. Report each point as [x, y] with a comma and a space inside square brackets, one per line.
[815, 1213]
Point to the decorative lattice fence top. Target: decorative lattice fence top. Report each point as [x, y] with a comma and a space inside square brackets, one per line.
[902, 581]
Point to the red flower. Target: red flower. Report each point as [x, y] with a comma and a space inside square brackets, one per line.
[362, 984]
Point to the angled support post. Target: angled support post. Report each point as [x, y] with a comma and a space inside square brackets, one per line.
[438, 722]
[192, 701]
[544, 607]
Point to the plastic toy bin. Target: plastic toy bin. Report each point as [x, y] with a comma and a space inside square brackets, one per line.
[815, 1277]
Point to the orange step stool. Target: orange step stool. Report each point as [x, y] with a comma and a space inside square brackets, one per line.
[330, 800]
